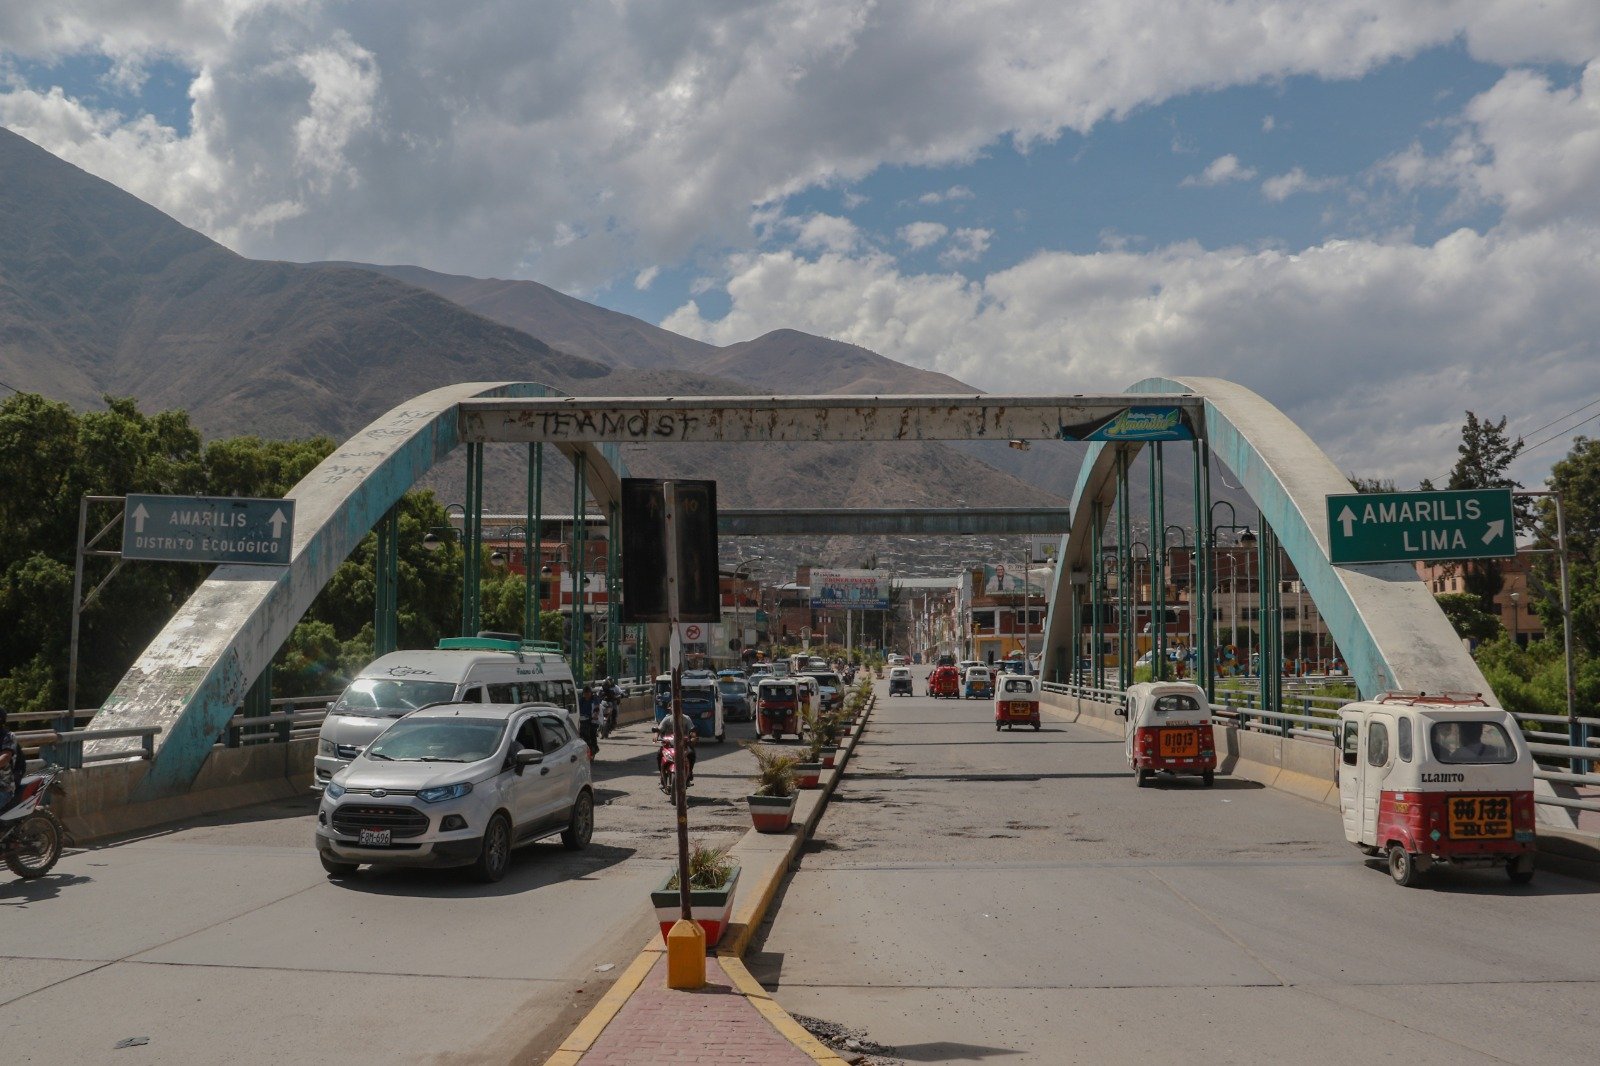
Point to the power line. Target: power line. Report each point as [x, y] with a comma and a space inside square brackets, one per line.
[1563, 418]
[1547, 425]
[1564, 433]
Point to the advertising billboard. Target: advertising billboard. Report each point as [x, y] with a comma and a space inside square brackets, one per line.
[866, 590]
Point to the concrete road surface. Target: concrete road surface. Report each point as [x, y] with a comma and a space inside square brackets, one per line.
[1012, 897]
[223, 941]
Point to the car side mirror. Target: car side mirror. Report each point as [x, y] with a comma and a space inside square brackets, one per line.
[1122, 712]
[526, 757]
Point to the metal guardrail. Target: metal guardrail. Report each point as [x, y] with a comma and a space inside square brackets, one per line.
[1243, 713]
[64, 747]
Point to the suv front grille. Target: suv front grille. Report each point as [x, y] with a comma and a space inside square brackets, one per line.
[346, 751]
[351, 818]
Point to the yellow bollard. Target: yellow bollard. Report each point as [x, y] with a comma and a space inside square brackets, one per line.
[686, 955]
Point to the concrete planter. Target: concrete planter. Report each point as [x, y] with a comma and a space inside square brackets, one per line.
[807, 774]
[829, 754]
[710, 907]
[772, 814]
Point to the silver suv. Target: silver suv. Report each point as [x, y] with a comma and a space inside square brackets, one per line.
[459, 784]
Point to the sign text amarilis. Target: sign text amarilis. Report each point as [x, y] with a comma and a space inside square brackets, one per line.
[208, 529]
[1382, 527]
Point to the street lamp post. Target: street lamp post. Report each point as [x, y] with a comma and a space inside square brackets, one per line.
[1166, 549]
[1516, 623]
[1133, 609]
[1246, 538]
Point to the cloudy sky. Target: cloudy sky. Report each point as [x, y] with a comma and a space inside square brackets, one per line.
[1377, 214]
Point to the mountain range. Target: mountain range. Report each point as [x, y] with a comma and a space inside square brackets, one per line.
[102, 294]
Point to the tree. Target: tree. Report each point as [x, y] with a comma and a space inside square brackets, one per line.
[1483, 457]
[1577, 479]
[1467, 615]
[1371, 484]
[1533, 679]
[52, 456]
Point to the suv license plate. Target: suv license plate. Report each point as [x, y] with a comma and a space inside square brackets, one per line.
[376, 838]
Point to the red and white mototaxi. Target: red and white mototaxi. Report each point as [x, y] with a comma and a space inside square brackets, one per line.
[1168, 731]
[1436, 779]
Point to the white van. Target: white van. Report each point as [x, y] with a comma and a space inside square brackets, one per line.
[459, 670]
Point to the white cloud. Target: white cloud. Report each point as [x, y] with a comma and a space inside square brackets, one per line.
[954, 192]
[829, 232]
[1268, 124]
[853, 200]
[1527, 145]
[1376, 349]
[1223, 169]
[1282, 186]
[582, 144]
[646, 278]
[922, 234]
[966, 246]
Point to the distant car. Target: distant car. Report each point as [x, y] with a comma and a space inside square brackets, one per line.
[978, 683]
[830, 689]
[458, 784]
[900, 681]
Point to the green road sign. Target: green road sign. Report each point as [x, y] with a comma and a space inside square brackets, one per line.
[208, 529]
[1388, 527]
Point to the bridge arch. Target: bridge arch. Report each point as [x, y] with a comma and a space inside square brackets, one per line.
[194, 675]
[1386, 622]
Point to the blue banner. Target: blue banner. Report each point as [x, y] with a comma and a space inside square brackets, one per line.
[1134, 424]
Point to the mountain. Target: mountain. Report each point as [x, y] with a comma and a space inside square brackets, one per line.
[783, 361]
[101, 294]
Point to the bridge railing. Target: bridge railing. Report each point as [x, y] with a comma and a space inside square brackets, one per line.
[64, 747]
[1315, 719]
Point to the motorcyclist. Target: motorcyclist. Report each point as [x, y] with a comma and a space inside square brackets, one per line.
[11, 762]
[586, 723]
[611, 694]
[686, 732]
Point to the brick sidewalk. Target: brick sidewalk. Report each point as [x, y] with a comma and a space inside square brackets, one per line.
[716, 1024]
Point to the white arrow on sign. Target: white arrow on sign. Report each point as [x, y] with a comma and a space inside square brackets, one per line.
[1497, 527]
[276, 522]
[139, 515]
[1347, 518]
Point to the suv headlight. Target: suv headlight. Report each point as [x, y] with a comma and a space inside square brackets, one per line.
[440, 793]
[324, 747]
[333, 790]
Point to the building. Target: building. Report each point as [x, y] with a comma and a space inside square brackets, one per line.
[1513, 604]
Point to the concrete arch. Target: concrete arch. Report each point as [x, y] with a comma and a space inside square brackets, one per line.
[1383, 616]
[195, 673]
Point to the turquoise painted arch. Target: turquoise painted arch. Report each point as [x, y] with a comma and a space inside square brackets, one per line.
[195, 673]
[1388, 626]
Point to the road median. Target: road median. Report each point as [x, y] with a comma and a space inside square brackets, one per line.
[617, 1029]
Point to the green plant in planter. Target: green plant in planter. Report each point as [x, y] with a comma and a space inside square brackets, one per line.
[774, 772]
[709, 868]
[816, 736]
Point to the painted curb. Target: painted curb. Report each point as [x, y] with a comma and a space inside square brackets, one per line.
[755, 852]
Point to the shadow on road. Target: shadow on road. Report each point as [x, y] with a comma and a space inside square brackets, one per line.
[20, 893]
[1491, 882]
[949, 1051]
[275, 811]
[534, 867]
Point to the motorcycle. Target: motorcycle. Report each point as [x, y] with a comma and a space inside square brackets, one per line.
[667, 763]
[608, 717]
[31, 837]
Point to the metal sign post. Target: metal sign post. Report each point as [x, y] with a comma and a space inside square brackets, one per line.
[682, 954]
